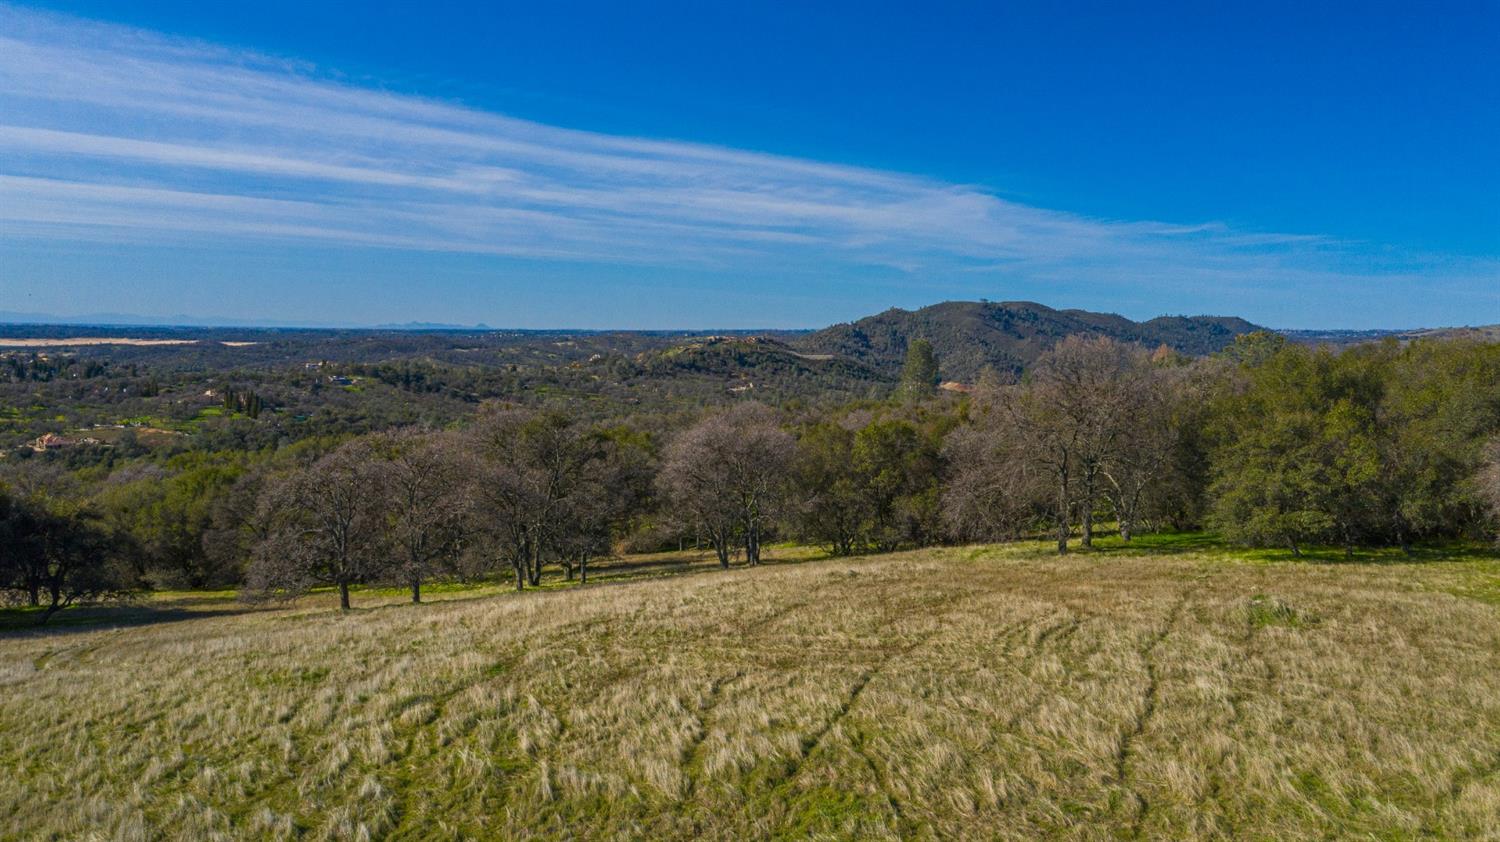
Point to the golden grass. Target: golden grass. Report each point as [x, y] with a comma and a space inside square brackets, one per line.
[964, 693]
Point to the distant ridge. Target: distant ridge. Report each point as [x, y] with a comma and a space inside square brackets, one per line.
[969, 336]
[431, 326]
[1008, 336]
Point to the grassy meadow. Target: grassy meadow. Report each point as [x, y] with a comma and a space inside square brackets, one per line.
[1180, 692]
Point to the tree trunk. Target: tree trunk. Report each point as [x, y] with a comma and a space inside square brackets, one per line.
[416, 588]
[1062, 520]
[1088, 523]
[1062, 503]
[520, 576]
[752, 545]
[721, 547]
[54, 590]
[583, 569]
[344, 595]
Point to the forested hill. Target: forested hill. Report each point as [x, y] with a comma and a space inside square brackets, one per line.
[1008, 336]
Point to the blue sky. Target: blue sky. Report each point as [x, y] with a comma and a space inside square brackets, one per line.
[737, 165]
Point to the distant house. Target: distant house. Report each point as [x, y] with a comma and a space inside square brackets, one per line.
[340, 380]
[955, 386]
[53, 441]
[50, 441]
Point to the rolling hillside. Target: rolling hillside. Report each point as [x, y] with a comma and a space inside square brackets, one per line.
[943, 694]
[1008, 336]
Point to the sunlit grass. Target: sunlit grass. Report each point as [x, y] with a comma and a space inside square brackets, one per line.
[977, 692]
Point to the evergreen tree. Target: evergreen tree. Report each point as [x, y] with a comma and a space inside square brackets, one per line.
[919, 374]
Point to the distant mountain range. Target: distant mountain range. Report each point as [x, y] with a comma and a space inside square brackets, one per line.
[968, 336]
[1008, 336]
[431, 326]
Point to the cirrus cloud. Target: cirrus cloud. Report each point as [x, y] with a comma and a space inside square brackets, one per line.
[112, 133]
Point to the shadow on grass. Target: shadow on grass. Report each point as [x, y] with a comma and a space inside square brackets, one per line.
[178, 606]
[1208, 544]
[683, 563]
[175, 606]
[1160, 543]
[87, 618]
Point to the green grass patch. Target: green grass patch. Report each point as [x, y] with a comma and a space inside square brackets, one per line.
[1262, 611]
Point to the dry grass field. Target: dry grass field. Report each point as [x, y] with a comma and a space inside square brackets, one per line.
[964, 693]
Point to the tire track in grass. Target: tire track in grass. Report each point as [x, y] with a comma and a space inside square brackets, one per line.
[408, 750]
[1054, 634]
[814, 741]
[535, 759]
[1011, 633]
[748, 627]
[1237, 701]
[692, 760]
[405, 796]
[1067, 619]
[76, 654]
[1148, 710]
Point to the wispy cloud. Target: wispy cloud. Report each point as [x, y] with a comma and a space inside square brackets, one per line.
[108, 132]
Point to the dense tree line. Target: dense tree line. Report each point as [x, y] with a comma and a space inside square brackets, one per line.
[41, 368]
[1267, 444]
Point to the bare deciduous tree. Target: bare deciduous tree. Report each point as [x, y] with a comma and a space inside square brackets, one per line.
[1143, 449]
[729, 472]
[992, 491]
[424, 511]
[1067, 424]
[322, 526]
[534, 469]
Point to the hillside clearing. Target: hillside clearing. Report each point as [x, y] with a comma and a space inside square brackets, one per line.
[942, 693]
